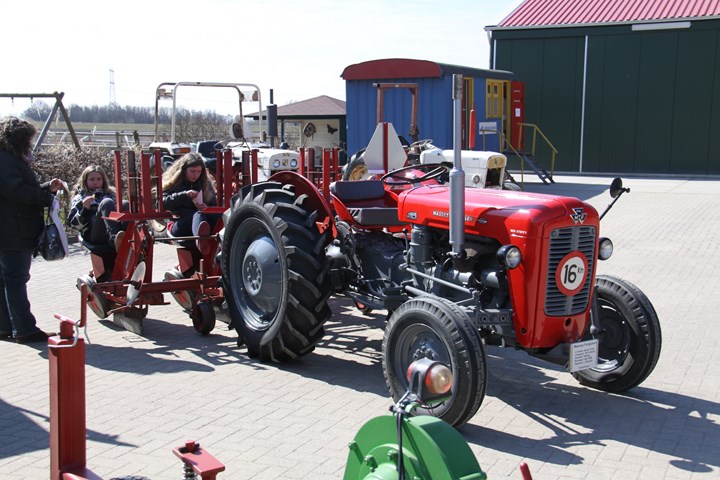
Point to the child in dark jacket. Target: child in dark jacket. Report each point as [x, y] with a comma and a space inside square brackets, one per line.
[187, 192]
[93, 201]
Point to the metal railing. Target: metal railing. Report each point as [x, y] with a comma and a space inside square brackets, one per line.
[535, 131]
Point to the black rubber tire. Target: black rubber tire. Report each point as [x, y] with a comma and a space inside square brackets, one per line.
[275, 273]
[512, 186]
[438, 329]
[97, 302]
[203, 318]
[630, 345]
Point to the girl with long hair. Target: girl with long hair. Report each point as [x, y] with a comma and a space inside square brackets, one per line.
[187, 192]
[92, 202]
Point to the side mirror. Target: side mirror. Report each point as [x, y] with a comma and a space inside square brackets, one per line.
[429, 380]
[616, 187]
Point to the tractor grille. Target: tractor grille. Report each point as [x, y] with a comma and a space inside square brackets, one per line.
[562, 242]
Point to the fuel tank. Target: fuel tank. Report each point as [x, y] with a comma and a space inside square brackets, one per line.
[498, 214]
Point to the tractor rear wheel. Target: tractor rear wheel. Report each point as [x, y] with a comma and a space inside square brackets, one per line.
[435, 328]
[630, 339]
[275, 273]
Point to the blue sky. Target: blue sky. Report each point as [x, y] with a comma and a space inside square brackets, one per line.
[299, 49]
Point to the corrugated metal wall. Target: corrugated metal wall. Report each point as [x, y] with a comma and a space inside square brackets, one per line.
[652, 98]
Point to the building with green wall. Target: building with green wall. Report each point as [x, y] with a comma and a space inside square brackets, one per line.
[619, 86]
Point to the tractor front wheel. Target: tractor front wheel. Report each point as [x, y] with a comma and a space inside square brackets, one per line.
[203, 317]
[434, 328]
[630, 337]
[275, 273]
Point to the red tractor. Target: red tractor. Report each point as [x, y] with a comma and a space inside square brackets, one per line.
[456, 269]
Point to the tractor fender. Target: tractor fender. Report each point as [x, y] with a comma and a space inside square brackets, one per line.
[315, 201]
[431, 449]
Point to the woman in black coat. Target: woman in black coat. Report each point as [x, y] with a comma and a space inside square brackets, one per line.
[22, 203]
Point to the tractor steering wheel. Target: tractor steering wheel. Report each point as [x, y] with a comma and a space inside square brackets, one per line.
[433, 170]
[421, 143]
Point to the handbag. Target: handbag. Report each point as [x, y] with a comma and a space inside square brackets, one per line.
[52, 243]
[49, 244]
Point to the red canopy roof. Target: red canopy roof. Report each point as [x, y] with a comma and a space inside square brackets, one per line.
[533, 13]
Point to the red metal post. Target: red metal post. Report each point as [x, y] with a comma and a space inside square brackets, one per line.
[525, 471]
[118, 180]
[219, 177]
[472, 130]
[146, 185]
[229, 176]
[385, 146]
[301, 163]
[66, 355]
[326, 173]
[254, 169]
[132, 182]
[158, 179]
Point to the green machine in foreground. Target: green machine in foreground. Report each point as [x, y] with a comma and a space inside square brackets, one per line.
[400, 446]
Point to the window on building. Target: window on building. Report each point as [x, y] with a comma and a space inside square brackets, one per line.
[494, 99]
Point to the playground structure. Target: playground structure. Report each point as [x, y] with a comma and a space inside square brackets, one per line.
[58, 96]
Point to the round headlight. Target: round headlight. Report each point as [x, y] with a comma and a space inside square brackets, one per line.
[439, 379]
[509, 256]
[293, 163]
[605, 248]
[276, 163]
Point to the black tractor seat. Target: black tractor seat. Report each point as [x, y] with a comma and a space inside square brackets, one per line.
[365, 200]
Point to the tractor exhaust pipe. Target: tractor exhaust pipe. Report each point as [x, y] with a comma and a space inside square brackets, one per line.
[457, 175]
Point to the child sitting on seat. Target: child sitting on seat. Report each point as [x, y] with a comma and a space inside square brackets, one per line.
[187, 191]
[93, 201]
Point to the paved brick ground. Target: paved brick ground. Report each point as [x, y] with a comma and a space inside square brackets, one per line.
[148, 393]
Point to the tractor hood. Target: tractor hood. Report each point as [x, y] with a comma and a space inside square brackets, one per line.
[518, 214]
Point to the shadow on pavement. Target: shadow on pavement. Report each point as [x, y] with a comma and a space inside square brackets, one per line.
[34, 437]
[349, 355]
[156, 350]
[658, 421]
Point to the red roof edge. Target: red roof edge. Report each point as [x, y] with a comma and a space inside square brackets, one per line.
[392, 68]
[545, 13]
